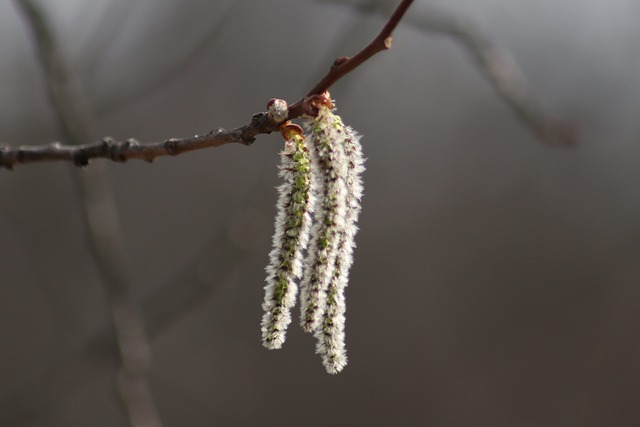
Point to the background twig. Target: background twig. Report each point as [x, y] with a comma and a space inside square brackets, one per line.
[102, 227]
[181, 294]
[495, 62]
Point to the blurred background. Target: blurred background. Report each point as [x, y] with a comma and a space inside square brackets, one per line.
[496, 278]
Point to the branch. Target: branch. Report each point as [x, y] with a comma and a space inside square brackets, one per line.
[174, 66]
[121, 151]
[343, 65]
[496, 63]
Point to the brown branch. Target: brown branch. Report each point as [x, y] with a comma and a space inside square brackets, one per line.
[121, 151]
[343, 65]
[496, 63]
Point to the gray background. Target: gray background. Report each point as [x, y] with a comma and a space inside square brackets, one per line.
[495, 281]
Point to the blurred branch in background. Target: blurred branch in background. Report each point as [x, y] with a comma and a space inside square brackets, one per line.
[191, 287]
[106, 34]
[176, 66]
[101, 226]
[495, 62]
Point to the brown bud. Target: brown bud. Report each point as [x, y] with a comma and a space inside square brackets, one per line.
[290, 131]
[341, 60]
[312, 103]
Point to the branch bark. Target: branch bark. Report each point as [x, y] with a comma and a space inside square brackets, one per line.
[121, 151]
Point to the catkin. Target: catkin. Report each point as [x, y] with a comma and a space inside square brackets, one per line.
[292, 229]
[318, 208]
[330, 336]
[329, 169]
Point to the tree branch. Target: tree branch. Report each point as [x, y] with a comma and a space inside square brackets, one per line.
[174, 68]
[343, 65]
[496, 63]
[121, 151]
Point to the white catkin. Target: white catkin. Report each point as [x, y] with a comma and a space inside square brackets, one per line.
[292, 230]
[329, 168]
[330, 336]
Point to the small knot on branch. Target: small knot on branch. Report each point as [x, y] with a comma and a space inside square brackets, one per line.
[340, 60]
[4, 157]
[260, 123]
[117, 151]
[171, 146]
[108, 144]
[80, 159]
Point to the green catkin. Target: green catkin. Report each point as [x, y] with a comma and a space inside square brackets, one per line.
[318, 207]
[292, 229]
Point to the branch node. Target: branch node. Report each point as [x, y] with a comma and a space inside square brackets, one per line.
[80, 160]
[388, 42]
[20, 156]
[257, 118]
[340, 60]
[171, 146]
[5, 161]
[107, 144]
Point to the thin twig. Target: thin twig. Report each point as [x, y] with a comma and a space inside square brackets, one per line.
[495, 62]
[121, 151]
[174, 66]
[102, 227]
[343, 65]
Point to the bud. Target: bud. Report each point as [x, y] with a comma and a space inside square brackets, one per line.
[277, 110]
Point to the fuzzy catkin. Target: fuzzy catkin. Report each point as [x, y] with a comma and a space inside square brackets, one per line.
[329, 167]
[330, 336]
[292, 230]
[318, 207]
